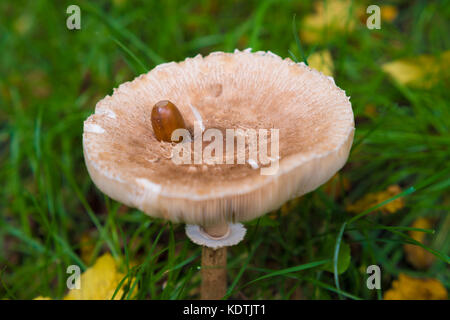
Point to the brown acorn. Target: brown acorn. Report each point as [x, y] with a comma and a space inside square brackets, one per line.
[166, 118]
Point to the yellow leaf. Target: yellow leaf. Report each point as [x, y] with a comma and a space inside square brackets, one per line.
[86, 247]
[388, 13]
[408, 288]
[415, 255]
[42, 298]
[330, 18]
[372, 199]
[322, 61]
[422, 71]
[99, 281]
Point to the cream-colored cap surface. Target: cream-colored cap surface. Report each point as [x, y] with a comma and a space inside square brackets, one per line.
[240, 90]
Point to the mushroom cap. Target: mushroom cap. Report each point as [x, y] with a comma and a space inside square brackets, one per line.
[227, 90]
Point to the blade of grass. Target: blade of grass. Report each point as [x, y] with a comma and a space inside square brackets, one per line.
[336, 257]
[122, 32]
[243, 268]
[297, 40]
[286, 271]
[330, 288]
[147, 260]
[142, 67]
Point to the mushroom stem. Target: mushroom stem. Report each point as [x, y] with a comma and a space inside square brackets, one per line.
[214, 265]
[214, 273]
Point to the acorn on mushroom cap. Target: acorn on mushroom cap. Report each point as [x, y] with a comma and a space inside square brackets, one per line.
[166, 118]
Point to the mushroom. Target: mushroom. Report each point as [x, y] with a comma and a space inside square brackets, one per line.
[240, 90]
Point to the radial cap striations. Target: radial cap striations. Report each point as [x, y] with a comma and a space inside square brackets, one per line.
[223, 91]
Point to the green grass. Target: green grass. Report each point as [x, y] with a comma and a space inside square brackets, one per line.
[51, 79]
